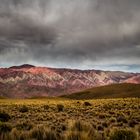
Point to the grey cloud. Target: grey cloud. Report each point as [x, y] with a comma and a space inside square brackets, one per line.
[70, 32]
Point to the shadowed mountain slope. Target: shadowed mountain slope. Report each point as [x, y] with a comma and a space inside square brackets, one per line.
[109, 91]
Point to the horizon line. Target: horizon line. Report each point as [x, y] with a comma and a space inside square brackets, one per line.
[90, 69]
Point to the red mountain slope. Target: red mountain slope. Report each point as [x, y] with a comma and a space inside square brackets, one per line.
[134, 79]
[27, 80]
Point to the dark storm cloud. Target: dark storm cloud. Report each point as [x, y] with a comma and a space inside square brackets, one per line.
[15, 25]
[70, 33]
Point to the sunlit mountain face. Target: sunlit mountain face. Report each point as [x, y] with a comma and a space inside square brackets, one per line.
[28, 81]
[80, 34]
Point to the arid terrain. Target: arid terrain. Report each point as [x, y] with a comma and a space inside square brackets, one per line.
[65, 119]
[86, 104]
[69, 69]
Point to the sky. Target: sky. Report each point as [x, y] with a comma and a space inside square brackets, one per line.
[82, 34]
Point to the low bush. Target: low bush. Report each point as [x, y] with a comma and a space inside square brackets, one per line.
[74, 136]
[60, 107]
[24, 126]
[112, 119]
[80, 126]
[105, 124]
[4, 117]
[46, 107]
[100, 128]
[37, 133]
[121, 118]
[24, 109]
[4, 127]
[42, 133]
[123, 134]
[50, 135]
[87, 104]
[102, 116]
[132, 123]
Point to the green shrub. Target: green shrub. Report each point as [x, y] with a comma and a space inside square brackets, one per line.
[122, 134]
[87, 104]
[105, 124]
[46, 107]
[64, 128]
[80, 126]
[41, 133]
[100, 128]
[49, 135]
[15, 134]
[96, 135]
[4, 128]
[4, 117]
[24, 126]
[23, 136]
[74, 136]
[102, 116]
[60, 107]
[121, 118]
[112, 119]
[24, 109]
[132, 123]
[37, 133]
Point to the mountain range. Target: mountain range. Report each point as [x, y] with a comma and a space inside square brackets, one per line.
[27, 80]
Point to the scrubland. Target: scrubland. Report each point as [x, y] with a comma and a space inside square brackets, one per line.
[64, 119]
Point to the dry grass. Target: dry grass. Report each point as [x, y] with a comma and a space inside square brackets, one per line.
[61, 119]
[123, 90]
